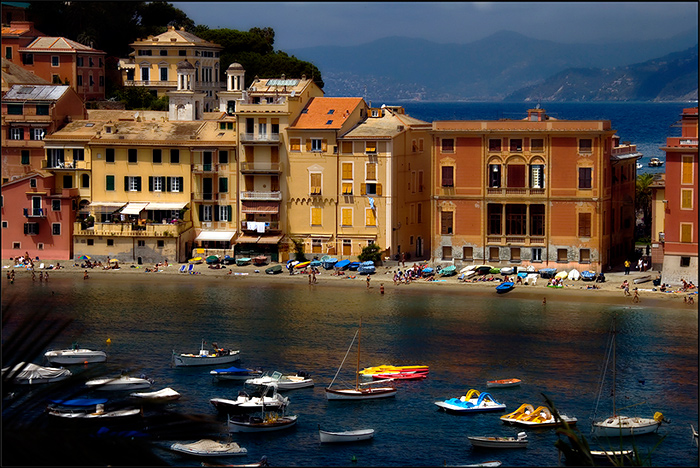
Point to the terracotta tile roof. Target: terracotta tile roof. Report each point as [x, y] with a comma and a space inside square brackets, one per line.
[14, 74]
[326, 113]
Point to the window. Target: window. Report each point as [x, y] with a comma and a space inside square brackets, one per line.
[38, 134]
[346, 147]
[515, 254]
[79, 79]
[446, 252]
[132, 183]
[494, 254]
[31, 229]
[8, 53]
[223, 157]
[109, 155]
[516, 144]
[371, 189]
[55, 61]
[182, 53]
[685, 261]
[448, 176]
[494, 175]
[176, 184]
[315, 183]
[110, 242]
[15, 109]
[585, 145]
[85, 180]
[346, 216]
[133, 155]
[223, 213]
[537, 145]
[562, 255]
[371, 169]
[55, 205]
[163, 73]
[370, 217]
[585, 175]
[537, 254]
[160, 243]
[494, 215]
[145, 73]
[537, 176]
[67, 181]
[141, 243]
[205, 213]
[316, 216]
[102, 80]
[537, 220]
[686, 169]
[32, 183]
[156, 184]
[42, 109]
[371, 147]
[446, 218]
[316, 246]
[346, 171]
[174, 156]
[686, 199]
[447, 145]
[419, 213]
[16, 245]
[584, 256]
[223, 184]
[347, 188]
[494, 144]
[584, 225]
[516, 175]
[316, 144]
[5, 224]
[420, 181]
[515, 220]
[56, 229]
[91, 242]
[295, 144]
[109, 183]
[157, 156]
[25, 157]
[92, 82]
[16, 133]
[467, 253]
[78, 154]
[686, 232]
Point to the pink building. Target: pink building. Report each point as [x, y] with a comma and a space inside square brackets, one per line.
[38, 218]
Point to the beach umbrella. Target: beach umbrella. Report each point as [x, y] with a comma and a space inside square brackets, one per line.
[84, 257]
[113, 260]
[212, 259]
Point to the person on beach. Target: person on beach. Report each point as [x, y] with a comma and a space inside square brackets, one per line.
[627, 267]
[46, 276]
[691, 300]
[367, 281]
[85, 276]
[313, 276]
[381, 288]
[33, 276]
[636, 296]
[627, 290]
[41, 276]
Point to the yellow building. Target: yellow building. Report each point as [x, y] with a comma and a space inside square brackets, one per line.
[154, 61]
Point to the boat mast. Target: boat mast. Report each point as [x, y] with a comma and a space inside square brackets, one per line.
[614, 353]
[359, 341]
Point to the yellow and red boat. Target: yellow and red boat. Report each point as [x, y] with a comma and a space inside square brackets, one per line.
[503, 383]
[389, 369]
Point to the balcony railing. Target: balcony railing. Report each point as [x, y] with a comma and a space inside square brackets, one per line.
[260, 137]
[261, 195]
[133, 230]
[154, 83]
[523, 241]
[205, 168]
[255, 226]
[261, 167]
[514, 191]
[205, 196]
[34, 213]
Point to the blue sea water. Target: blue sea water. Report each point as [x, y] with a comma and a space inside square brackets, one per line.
[465, 336]
[646, 124]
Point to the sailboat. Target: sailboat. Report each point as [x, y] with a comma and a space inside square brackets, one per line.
[618, 425]
[361, 391]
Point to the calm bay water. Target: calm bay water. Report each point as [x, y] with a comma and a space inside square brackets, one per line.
[464, 336]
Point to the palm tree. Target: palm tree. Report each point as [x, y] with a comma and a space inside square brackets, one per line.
[643, 198]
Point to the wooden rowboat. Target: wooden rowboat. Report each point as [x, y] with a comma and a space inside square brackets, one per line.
[503, 383]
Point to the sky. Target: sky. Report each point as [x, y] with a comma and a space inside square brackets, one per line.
[308, 24]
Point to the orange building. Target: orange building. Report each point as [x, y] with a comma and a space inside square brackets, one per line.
[538, 191]
[17, 35]
[680, 226]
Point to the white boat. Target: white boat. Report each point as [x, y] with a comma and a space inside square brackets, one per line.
[205, 357]
[283, 382]
[574, 275]
[361, 391]
[123, 382]
[209, 448]
[655, 162]
[267, 397]
[345, 436]
[166, 394]
[97, 415]
[27, 373]
[694, 434]
[75, 356]
[267, 423]
[618, 425]
[613, 456]
[489, 464]
[500, 442]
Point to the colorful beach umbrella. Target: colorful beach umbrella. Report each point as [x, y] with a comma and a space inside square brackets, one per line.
[84, 257]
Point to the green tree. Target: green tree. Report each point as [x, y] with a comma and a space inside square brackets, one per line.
[643, 199]
[299, 250]
[371, 252]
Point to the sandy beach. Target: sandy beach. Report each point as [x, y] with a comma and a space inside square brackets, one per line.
[608, 292]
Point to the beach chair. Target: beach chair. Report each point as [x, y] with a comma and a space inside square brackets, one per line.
[183, 268]
[190, 268]
[41, 266]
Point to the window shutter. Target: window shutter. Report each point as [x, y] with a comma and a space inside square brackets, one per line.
[324, 145]
[308, 145]
[347, 171]
[686, 233]
[230, 212]
[126, 183]
[379, 190]
[167, 184]
[516, 175]
[447, 176]
[181, 183]
[201, 212]
[217, 210]
[138, 184]
[363, 189]
[150, 184]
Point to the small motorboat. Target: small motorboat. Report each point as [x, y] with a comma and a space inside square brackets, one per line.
[209, 448]
[342, 265]
[266, 423]
[507, 270]
[504, 287]
[235, 373]
[27, 373]
[265, 397]
[75, 355]
[345, 436]
[273, 270]
[500, 442]
[123, 382]
[450, 270]
[166, 394]
[503, 383]
[260, 260]
[588, 275]
[655, 162]
[366, 268]
[472, 402]
[642, 279]
[205, 357]
[283, 382]
[527, 416]
[77, 403]
[243, 261]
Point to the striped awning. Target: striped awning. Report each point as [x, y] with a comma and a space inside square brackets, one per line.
[260, 207]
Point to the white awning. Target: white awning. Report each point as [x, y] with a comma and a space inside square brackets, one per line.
[105, 206]
[134, 208]
[166, 206]
[215, 236]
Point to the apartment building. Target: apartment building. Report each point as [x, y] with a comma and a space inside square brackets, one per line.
[679, 238]
[154, 61]
[537, 191]
[29, 113]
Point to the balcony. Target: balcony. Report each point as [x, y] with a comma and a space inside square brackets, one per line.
[254, 226]
[202, 168]
[503, 191]
[28, 118]
[205, 196]
[152, 83]
[261, 196]
[133, 230]
[261, 167]
[34, 213]
[675, 142]
[517, 241]
[57, 165]
[264, 138]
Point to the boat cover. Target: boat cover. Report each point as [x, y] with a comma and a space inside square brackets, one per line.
[231, 370]
[80, 402]
[208, 445]
[34, 372]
